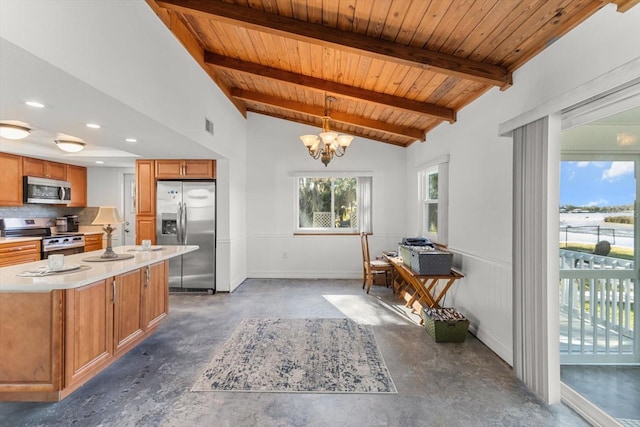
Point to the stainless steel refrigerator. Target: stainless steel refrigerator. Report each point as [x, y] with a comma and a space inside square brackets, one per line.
[186, 215]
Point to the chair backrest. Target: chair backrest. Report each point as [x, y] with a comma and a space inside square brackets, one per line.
[364, 241]
[603, 248]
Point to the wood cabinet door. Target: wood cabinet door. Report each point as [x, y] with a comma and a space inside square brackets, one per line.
[168, 169]
[145, 229]
[145, 187]
[33, 167]
[55, 170]
[127, 310]
[185, 169]
[77, 176]
[32, 325]
[19, 252]
[88, 330]
[43, 168]
[11, 179]
[156, 293]
[198, 169]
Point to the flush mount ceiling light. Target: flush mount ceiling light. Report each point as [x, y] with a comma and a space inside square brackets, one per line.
[11, 131]
[93, 126]
[70, 146]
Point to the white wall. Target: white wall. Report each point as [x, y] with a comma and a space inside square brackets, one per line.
[124, 50]
[274, 152]
[480, 206]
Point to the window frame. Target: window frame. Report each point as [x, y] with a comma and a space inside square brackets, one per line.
[428, 202]
[333, 230]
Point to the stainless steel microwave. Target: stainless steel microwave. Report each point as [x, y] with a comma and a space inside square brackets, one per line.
[44, 190]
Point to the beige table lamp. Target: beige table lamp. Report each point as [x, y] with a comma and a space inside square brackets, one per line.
[108, 216]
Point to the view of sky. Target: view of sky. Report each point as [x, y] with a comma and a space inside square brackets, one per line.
[597, 183]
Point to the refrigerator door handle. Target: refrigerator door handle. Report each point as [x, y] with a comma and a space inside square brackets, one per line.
[184, 228]
[179, 223]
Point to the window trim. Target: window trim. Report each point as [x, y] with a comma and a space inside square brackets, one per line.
[441, 167]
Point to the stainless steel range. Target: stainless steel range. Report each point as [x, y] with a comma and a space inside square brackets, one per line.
[63, 243]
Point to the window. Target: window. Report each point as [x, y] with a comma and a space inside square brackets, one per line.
[433, 199]
[332, 204]
[430, 202]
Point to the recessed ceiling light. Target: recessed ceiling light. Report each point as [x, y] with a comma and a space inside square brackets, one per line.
[131, 140]
[100, 162]
[35, 104]
[93, 126]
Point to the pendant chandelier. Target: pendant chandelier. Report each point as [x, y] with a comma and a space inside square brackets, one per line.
[330, 143]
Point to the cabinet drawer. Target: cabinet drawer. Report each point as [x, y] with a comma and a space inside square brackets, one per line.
[19, 252]
[92, 242]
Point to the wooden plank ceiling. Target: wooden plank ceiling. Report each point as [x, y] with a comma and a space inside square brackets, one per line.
[396, 68]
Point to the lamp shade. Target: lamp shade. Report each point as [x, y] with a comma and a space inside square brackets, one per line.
[107, 215]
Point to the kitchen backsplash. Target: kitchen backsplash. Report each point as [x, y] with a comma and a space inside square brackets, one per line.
[85, 215]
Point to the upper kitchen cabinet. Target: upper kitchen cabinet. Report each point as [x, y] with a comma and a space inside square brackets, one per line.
[77, 176]
[145, 188]
[11, 178]
[185, 169]
[43, 169]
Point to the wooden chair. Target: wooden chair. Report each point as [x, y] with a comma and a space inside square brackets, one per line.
[371, 268]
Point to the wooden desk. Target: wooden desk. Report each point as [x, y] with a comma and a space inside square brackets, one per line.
[420, 291]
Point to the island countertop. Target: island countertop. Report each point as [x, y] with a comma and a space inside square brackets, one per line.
[89, 272]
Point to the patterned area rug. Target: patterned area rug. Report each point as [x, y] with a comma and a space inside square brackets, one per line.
[298, 355]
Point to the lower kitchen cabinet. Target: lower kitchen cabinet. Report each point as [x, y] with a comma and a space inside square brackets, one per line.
[19, 252]
[92, 242]
[63, 338]
[127, 309]
[31, 365]
[88, 331]
[157, 294]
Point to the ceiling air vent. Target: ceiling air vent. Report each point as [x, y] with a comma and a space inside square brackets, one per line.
[208, 125]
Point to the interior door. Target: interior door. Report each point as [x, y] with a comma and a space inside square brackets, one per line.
[129, 226]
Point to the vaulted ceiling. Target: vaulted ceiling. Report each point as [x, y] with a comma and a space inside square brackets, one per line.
[396, 68]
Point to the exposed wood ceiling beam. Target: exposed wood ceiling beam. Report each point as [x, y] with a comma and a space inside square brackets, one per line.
[343, 40]
[408, 105]
[184, 36]
[375, 125]
[312, 123]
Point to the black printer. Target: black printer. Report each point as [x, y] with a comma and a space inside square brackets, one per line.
[416, 241]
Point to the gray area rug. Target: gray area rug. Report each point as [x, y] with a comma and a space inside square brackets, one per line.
[298, 355]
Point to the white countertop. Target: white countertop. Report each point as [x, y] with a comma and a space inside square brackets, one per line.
[88, 273]
[18, 239]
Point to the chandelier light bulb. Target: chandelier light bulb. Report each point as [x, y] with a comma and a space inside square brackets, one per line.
[330, 143]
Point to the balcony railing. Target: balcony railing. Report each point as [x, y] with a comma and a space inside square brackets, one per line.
[596, 308]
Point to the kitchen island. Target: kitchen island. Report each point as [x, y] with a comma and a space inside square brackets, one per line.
[59, 330]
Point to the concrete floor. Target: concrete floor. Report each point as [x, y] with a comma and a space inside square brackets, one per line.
[438, 384]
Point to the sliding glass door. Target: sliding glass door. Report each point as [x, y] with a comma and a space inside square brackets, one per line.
[599, 246]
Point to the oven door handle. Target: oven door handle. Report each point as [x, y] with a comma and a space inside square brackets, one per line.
[62, 193]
